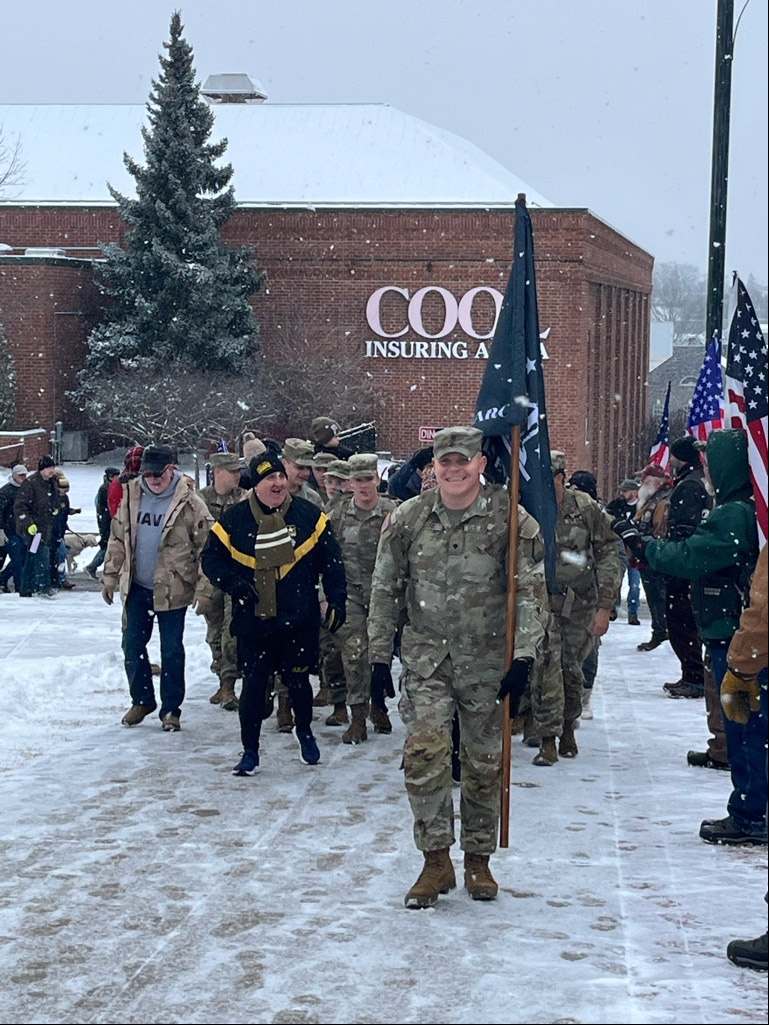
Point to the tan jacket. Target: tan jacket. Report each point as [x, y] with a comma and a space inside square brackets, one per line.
[747, 653]
[178, 580]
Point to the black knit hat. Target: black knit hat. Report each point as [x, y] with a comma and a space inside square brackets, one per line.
[45, 462]
[585, 481]
[686, 450]
[262, 466]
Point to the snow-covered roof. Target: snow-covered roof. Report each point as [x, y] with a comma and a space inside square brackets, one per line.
[369, 155]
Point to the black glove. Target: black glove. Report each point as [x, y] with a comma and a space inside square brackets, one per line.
[381, 684]
[514, 683]
[335, 618]
[421, 458]
[244, 591]
[103, 544]
[632, 538]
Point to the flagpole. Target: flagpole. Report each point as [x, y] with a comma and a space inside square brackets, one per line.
[512, 577]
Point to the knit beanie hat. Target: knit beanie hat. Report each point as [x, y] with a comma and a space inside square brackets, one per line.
[263, 465]
[44, 463]
[133, 459]
[252, 446]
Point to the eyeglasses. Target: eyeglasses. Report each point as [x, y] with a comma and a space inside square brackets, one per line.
[148, 475]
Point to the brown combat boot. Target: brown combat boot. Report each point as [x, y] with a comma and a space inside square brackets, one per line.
[137, 714]
[285, 717]
[356, 733]
[547, 754]
[479, 882]
[216, 697]
[436, 877]
[339, 716]
[530, 738]
[228, 696]
[567, 748]
[321, 698]
[380, 719]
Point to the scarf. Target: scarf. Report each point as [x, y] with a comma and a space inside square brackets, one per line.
[272, 549]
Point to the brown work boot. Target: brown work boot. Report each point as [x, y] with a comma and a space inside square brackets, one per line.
[380, 719]
[216, 697]
[285, 717]
[567, 747]
[229, 697]
[137, 714]
[170, 723]
[437, 876]
[155, 669]
[339, 716]
[547, 754]
[356, 733]
[321, 699]
[479, 882]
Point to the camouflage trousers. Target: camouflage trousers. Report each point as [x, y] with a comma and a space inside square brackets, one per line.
[224, 647]
[427, 708]
[557, 679]
[351, 642]
[332, 675]
[576, 644]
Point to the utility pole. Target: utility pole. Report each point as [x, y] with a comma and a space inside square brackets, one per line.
[719, 169]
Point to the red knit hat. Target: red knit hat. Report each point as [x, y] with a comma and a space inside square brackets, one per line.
[133, 459]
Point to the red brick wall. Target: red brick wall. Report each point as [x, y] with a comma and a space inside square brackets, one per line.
[322, 266]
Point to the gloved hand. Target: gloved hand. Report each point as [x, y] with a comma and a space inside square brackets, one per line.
[421, 458]
[739, 697]
[203, 606]
[108, 593]
[335, 618]
[514, 683]
[244, 591]
[632, 538]
[381, 684]
[32, 529]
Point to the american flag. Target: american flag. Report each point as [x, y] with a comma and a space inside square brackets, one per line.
[746, 396]
[706, 413]
[660, 450]
[222, 446]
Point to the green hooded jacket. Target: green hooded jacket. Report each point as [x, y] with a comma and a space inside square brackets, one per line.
[720, 555]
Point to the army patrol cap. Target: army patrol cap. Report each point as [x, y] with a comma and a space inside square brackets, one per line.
[558, 461]
[465, 440]
[339, 468]
[295, 450]
[323, 459]
[628, 484]
[225, 461]
[363, 464]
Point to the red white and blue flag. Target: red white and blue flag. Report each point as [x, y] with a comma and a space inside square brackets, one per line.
[660, 450]
[746, 396]
[706, 412]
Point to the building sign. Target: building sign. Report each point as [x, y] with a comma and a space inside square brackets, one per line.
[457, 314]
[426, 434]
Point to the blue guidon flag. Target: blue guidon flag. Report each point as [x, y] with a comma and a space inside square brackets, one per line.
[512, 393]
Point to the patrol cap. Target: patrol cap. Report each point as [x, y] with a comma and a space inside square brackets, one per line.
[225, 461]
[323, 429]
[20, 470]
[295, 450]
[629, 484]
[323, 459]
[155, 458]
[557, 461]
[363, 464]
[339, 468]
[465, 440]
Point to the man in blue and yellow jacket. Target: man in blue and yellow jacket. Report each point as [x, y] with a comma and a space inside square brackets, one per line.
[269, 553]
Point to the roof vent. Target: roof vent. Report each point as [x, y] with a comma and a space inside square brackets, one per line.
[233, 89]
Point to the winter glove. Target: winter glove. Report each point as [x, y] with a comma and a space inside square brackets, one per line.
[108, 593]
[381, 684]
[421, 458]
[739, 697]
[632, 538]
[514, 683]
[203, 607]
[335, 617]
[32, 529]
[244, 591]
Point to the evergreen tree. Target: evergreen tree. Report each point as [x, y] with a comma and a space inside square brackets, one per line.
[179, 294]
[8, 383]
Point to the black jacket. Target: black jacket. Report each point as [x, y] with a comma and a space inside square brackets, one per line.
[688, 504]
[228, 557]
[8, 493]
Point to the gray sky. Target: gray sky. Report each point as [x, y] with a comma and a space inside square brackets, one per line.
[598, 103]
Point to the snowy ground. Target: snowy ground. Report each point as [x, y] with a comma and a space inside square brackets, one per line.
[141, 882]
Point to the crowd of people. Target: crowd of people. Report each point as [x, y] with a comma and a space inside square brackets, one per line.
[304, 562]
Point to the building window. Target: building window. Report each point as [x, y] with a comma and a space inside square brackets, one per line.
[687, 382]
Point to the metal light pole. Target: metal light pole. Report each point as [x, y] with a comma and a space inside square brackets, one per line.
[719, 169]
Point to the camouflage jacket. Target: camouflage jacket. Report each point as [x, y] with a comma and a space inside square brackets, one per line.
[178, 580]
[358, 532]
[216, 504]
[451, 581]
[588, 557]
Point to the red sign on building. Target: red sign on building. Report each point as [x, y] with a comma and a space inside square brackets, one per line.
[426, 434]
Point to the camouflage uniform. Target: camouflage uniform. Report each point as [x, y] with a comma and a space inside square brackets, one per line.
[358, 532]
[332, 674]
[447, 569]
[224, 647]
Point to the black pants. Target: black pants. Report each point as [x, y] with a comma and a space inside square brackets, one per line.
[682, 630]
[654, 589]
[273, 647]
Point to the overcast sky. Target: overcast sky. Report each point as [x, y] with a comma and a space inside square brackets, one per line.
[599, 103]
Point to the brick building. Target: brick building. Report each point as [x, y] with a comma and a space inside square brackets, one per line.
[397, 235]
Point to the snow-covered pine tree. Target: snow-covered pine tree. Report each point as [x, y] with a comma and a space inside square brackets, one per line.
[178, 294]
[8, 382]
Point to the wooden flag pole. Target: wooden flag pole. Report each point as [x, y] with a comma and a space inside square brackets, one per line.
[512, 577]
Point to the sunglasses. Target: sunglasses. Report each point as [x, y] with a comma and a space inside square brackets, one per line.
[148, 475]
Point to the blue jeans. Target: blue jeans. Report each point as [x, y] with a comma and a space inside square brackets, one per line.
[633, 590]
[138, 619]
[36, 574]
[16, 553]
[747, 755]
